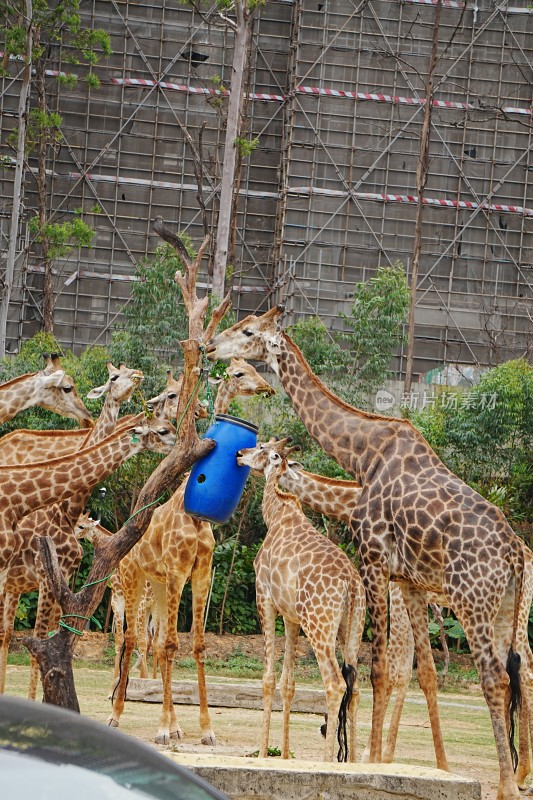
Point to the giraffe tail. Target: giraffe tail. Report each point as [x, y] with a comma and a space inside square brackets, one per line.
[349, 674]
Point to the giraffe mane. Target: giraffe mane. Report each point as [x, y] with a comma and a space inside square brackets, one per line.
[18, 379]
[331, 395]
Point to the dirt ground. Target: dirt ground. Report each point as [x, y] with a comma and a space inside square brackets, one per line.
[465, 720]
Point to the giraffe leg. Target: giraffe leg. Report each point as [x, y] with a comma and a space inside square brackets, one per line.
[8, 609]
[352, 634]
[168, 598]
[417, 608]
[524, 764]
[117, 604]
[132, 597]
[495, 686]
[400, 653]
[200, 585]
[287, 686]
[155, 634]
[376, 587]
[48, 614]
[142, 637]
[334, 686]
[267, 615]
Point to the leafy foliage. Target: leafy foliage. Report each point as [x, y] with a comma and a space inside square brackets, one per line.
[485, 436]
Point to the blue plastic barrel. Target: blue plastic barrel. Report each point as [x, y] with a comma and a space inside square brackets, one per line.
[216, 482]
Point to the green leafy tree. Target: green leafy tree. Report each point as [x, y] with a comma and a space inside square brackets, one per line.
[485, 435]
[40, 30]
[376, 329]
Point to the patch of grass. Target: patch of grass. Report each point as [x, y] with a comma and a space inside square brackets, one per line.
[237, 664]
[20, 658]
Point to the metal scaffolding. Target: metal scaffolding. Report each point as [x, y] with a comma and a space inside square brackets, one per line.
[336, 96]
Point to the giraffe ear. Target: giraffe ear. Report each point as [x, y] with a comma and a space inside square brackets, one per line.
[214, 381]
[55, 378]
[273, 344]
[293, 470]
[98, 391]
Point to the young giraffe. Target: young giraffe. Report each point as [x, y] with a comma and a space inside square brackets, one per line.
[309, 581]
[30, 487]
[175, 548]
[337, 498]
[416, 523]
[49, 388]
[58, 521]
[93, 531]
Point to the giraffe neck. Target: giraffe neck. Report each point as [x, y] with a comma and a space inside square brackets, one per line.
[27, 488]
[104, 427]
[17, 394]
[329, 496]
[105, 424]
[277, 504]
[223, 398]
[349, 435]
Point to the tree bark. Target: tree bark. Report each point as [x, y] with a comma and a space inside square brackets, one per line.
[421, 178]
[42, 200]
[233, 122]
[54, 654]
[17, 182]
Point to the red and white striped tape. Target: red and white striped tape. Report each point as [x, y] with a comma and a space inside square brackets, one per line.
[315, 90]
[305, 191]
[412, 199]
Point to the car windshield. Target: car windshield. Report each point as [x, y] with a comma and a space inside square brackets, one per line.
[58, 737]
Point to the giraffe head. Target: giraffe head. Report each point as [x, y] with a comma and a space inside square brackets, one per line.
[243, 379]
[56, 392]
[269, 458]
[88, 528]
[120, 385]
[254, 338]
[166, 404]
[155, 434]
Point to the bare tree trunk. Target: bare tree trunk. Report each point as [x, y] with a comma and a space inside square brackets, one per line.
[54, 654]
[241, 43]
[421, 178]
[42, 200]
[17, 182]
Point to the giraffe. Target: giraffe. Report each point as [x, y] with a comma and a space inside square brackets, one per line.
[49, 388]
[166, 404]
[88, 528]
[58, 522]
[417, 523]
[30, 487]
[175, 548]
[335, 497]
[309, 581]
[25, 445]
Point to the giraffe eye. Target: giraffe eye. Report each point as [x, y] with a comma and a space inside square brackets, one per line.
[172, 395]
[67, 389]
[238, 375]
[114, 377]
[248, 332]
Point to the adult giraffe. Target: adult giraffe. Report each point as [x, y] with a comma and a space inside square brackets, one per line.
[50, 388]
[416, 522]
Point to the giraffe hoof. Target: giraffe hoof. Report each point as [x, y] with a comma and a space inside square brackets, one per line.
[162, 738]
[177, 734]
[209, 739]
[113, 723]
